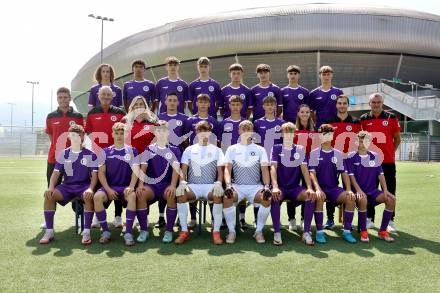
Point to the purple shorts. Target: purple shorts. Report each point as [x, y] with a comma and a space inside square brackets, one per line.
[333, 193]
[121, 196]
[372, 195]
[158, 191]
[71, 191]
[291, 194]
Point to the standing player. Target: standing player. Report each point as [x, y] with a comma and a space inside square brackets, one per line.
[364, 170]
[118, 175]
[379, 121]
[105, 76]
[100, 121]
[170, 84]
[325, 165]
[246, 168]
[160, 164]
[322, 100]
[228, 127]
[344, 140]
[289, 162]
[204, 85]
[293, 95]
[138, 86]
[264, 89]
[79, 166]
[201, 178]
[236, 88]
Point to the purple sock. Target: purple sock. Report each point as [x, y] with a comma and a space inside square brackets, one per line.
[362, 220]
[129, 219]
[171, 218]
[348, 219]
[48, 217]
[309, 206]
[142, 218]
[319, 218]
[275, 214]
[102, 219]
[385, 219]
[88, 217]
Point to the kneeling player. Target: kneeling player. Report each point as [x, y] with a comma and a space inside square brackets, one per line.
[160, 164]
[288, 164]
[364, 169]
[202, 164]
[246, 165]
[79, 166]
[118, 177]
[325, 164]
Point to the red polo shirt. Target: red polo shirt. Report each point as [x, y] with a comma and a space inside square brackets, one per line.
[349, 124]
[141, 135]
[308, 139]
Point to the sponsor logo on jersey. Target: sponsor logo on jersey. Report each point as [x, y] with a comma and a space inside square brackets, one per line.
[198, 88]
[319, 98]
[56, 123]
[165, 87]
[98, 118]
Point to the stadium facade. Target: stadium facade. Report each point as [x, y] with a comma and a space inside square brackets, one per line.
[363, 44]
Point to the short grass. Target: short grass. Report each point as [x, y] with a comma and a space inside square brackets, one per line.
[411, 264]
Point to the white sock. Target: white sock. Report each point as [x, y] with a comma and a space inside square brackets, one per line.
[86, 231]
[230, 218]
[263, 213]
[217, 215]
[49, 231]
[182, 212]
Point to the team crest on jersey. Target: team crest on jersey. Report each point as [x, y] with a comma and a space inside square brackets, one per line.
[113, 118]
[277, 128]
[71, 123]
[146, 88]
[270, 94]
[310, 135]
[300, 96]
[84, 161]
[179, 123]
[334, 160]
[114, 94]
[127, 157]
[385, 123]
[146, 127]
[348, 128]
[333, 97]
[179, 88]
[371, 163]
[168, 156]
[296, 156]
[242, 96]
[211, 88]
[252, 153]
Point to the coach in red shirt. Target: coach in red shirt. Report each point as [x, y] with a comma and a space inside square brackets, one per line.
[380, 121]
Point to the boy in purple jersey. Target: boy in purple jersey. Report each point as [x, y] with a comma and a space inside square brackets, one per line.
[203, 102]
[138, 86]
[105, 75]
[263, 89]
[227, 132]
[170, 84]
[268, 128]
[322, 100]
[160, 171]
[177, 138]
[118, 177]
[289, 162]
[235, 87]
[365, 170]
[325, 165]
[79, 166]
[293, 95]
[204, 85]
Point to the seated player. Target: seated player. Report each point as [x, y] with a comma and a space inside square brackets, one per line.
[364, 169]
[201, 178]
[118, 176]
[288, 164]
[160, 164]
[80, 167]
[246, 166]
[325, 164]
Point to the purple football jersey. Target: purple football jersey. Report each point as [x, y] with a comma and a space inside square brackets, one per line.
[190, 126]
[94, 100]
[165, 86]
[209, 87]
[289, 161]
[269, 132]
[159, 163]
[228, 132]
[324, 103]
[258, 95]
[77, 166]
[242, 91]
[293, 98]
[134, 88]
[176, 125]
[119, 163]
[365, 169]
[327, 165]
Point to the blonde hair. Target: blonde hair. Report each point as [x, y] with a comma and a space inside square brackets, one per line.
[288, 127]
[131, 115]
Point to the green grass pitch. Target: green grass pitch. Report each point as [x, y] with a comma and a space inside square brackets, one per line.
[411, 264]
